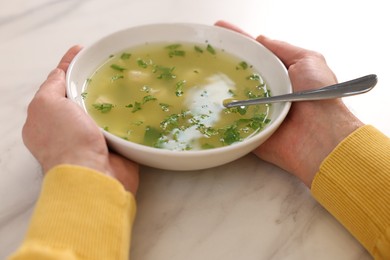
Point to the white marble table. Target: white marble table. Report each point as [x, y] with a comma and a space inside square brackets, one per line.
[244, 210]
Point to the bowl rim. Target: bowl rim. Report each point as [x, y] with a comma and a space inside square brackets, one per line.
[266, 131]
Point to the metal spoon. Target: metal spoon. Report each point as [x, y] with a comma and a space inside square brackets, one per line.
[344, 89]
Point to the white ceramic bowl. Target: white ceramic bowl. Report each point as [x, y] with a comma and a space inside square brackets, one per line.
[265, 62]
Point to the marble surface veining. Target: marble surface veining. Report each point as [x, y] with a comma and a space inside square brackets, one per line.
[247, 209]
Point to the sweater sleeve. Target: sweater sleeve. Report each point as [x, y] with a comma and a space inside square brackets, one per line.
[353, 184]
[80, 214]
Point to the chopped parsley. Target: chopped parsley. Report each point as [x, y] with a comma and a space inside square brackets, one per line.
[125, 56]
[117, 67]
[151, 136]
[198, 49]
[211, 49]
[231, 135]
[148, 98]
[84, 95]
[255, 77]
[174, 50]
[103, 107]
[177, 53]
[170, 122]
[135, 107]
[141, 63]
[179, 88]
[164, 107]
[116, 77]
[164, 72]
[242, 65]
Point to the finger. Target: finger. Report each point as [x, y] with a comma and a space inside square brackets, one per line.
[287, 53]
[232, 27]
[68, 57]
[54, 84]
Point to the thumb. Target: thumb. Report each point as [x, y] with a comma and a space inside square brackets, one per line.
[54, 84]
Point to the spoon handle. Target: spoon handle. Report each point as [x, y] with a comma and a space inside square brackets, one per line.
[348, 88]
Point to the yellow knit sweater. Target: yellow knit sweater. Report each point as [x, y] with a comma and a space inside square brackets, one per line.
[353, 184]
[82, 214]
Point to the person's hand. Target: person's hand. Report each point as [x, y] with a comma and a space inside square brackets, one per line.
[312, 129]
[57, 131]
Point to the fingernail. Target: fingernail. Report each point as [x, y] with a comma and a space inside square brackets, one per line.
[261, 36]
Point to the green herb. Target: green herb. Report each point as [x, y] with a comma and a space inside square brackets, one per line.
[148, 98]
[170, 122]
[106, 128]
[255, 77]
[243, 65]
[173, 50]
[210, 49]
[117, 67]
[231, 135]
[116, 77]
[257, 122]
[207, 130]
[84, 95]
[165, 72]
[242, 110]
[177, 53]
[141, 63]
[136, 107]
[179, 88]
[198, 49]
[151, 136]
[103, 107]
[164, 107]
[125, 56]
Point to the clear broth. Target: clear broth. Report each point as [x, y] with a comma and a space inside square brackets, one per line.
[171, 96]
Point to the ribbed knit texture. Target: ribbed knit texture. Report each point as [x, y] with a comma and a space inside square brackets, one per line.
[81, 214]
[353, 184]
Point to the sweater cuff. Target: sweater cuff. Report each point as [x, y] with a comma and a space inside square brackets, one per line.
[353, 185]
[83, 213]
